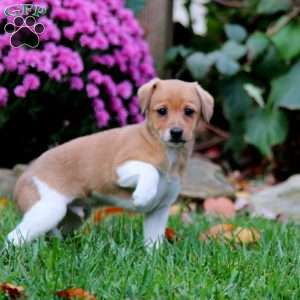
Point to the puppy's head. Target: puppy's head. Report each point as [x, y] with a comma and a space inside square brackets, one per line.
[173, 109]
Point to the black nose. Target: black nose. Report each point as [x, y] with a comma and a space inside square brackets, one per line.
[176, 134]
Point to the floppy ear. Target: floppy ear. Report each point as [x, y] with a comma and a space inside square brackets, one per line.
[206, 102]
[145, 93]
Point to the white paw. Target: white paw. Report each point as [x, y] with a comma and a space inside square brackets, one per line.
[144, 198]
[151, 245]
[15, 238]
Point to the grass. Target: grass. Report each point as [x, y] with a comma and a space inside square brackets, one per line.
[111, 263]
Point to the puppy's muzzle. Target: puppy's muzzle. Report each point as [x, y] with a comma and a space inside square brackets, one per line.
[176, 134]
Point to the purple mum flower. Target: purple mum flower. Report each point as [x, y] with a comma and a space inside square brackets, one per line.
[125, 89]
[3, 96]
[20, 91]
[92, 90]
[114, 57]
[31, 82]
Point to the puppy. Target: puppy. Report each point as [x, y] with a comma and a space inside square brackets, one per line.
[141, 163]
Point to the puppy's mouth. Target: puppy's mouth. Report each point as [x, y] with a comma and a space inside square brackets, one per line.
[176, 142]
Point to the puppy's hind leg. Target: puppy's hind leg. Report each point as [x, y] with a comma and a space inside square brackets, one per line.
[42, 217]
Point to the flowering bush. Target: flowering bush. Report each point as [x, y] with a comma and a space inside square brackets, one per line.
[90, 50]
[94, 46]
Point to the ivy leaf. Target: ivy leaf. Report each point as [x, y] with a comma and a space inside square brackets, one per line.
[285, 90]
[266, 128]
[234, 50]
[270, 65]
[226, 65]
[135, 5]
[255, 93]
[273, 6]
[174, 52]
[236, 105]
[257, 44]
[287, 41]
[199, 64]
[235, 32]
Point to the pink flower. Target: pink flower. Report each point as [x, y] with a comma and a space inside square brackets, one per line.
[31, 82]
[113, 58]
[76, 83]
[95, 76]
[98, 104]
[102, 118]
[20, 91]
[122, 116]
[125, 89]
[3, 96]
[92, 90]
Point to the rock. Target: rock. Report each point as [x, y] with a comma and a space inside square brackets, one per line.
[281, 200]
[19, 169]
[8, 179]
[7, 182]
[205, 179]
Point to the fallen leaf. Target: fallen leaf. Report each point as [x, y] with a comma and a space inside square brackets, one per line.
[170, 234]
[246, 235]
[230, 233]
[239, 181]
[12, 291]
[102, 213]
[221, 206]
[175, 209]
[76, 293]
[3, 203]
[217, 231]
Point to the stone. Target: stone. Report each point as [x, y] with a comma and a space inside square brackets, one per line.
[205, 179]
[7, 182]
[8, 179]
[281, 200]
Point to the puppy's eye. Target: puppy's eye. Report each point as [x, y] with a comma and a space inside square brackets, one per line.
[163, 111]
[188, 111]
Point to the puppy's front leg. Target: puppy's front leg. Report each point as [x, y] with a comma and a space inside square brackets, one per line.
[154, 226]
[143, 176]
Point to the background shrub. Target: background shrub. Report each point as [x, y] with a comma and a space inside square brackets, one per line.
[249, 59]
[83, 76]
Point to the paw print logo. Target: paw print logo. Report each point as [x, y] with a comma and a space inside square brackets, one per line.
[24, 32]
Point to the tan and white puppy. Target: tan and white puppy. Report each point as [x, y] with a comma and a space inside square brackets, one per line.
[149, 157]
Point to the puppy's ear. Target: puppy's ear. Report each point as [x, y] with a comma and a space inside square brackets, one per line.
[206, 102]
[145, 93]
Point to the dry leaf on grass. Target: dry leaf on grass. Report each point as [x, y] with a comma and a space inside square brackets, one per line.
[102, 213]
[246, 235]
[3, 203]
[217, 231]
[229, 232]
[75, 293]
[170, 234]
[175, 209]
[12, 291]
[221, 206]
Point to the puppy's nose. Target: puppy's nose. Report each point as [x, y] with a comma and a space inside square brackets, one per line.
[176, 134]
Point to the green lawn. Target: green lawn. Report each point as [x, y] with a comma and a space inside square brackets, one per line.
[111, 263]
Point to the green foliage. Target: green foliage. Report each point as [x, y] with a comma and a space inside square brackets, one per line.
[135, 5]
[265, 128]
[285, 91]
[249, 60]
